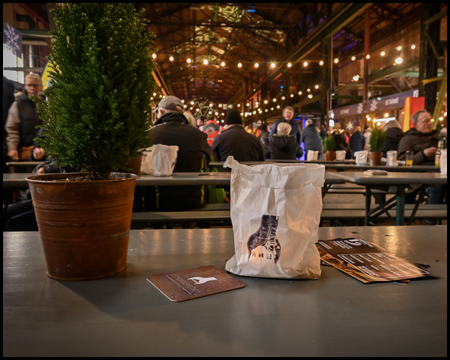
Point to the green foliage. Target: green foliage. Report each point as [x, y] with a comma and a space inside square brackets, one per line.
[329, 143]
[97, 117]
[377, 139]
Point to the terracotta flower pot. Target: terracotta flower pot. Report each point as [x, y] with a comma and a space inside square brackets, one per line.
[330, 155]
[375, 157]
[84, 225]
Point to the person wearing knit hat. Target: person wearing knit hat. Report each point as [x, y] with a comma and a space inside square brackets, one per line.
[233, 117]
[236, 141]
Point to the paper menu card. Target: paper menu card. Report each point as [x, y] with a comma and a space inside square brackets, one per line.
[368, 262]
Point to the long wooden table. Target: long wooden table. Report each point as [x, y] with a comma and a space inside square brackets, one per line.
[176, 179]
[400, 181]
[344, 165]
[124, 315]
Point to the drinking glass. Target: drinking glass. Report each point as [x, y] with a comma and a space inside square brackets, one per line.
[409, 158]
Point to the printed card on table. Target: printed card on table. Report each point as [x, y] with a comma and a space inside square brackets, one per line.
[193, 283]
[368, 262]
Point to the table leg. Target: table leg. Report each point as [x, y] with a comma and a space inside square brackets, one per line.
[400, 215]
[368, 198]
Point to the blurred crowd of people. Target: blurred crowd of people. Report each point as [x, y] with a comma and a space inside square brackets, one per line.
[204, 139]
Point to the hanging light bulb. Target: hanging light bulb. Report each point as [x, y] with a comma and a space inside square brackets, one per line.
[205, 62]
[292, 95]
[383, 53]
[192, 103]
[398, 61]
[310, 96]
[256, 65]
[386, 115]
[305, 64]
[336, 60]
[399, 48]
[222, 63]
[239, 65]
[188, 60]
[283, 98]
[211, 105]
[299, 92]
[154, 56]
[321, 62]
[367, 56]
[274, 100]
[289, 65]
[171, 58]
[353, 58]
[272, 65]
[413, 46]
[316, 87]
[265, 101]
[308, 90]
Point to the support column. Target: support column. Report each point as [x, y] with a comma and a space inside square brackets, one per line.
[366, 61]
[428, 65]
[326, 87]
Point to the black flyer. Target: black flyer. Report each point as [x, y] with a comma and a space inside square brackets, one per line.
[368, 262]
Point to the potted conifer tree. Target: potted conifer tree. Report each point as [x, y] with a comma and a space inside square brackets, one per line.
[330, 144]
[96, 119]
[376, 142]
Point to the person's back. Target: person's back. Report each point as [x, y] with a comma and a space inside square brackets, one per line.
[284, 146]
[311, 138]
[394, 134]
[237, 142]
[172, 128]
[357, 141]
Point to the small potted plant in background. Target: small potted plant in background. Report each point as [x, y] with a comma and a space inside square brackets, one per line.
[376, 142]
[329, 145]
[96, 119]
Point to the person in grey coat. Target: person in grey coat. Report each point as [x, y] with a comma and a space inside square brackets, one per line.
[311, 138]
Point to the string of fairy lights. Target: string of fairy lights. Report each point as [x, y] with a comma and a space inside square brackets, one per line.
[253, 108]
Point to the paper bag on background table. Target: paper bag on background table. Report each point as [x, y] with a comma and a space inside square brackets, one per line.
[275, 211]
[312, 155]
[361, 157]
[340, 154]
[443, 162]
[159, 160]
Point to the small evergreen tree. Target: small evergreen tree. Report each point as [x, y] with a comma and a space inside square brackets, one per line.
[329, 143]
[98, 113]
[377, 139]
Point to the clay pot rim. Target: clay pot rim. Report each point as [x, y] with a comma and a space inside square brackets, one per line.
[53, 178]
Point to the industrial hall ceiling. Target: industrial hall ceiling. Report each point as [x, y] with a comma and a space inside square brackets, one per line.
[233, 53]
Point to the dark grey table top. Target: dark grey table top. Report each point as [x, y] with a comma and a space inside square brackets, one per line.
[176, 179]
[393, 178]
[124, 315]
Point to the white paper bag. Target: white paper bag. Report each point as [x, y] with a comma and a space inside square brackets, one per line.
[312, 155]
[444, 162]
[340, 154]
[159, 160]
[361, 157]
[275, 211]
[391, 158]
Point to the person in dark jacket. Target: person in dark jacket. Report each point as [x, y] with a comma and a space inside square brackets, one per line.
[235, 141]
[284, 146]
[341, 144]
[422, 140]
[394, 134]
[288, 116]
[8, 100]
[23, 119]
[357, 141]
[311, 138]
[172, 128]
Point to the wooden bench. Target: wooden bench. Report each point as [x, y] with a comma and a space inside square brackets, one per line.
[350, 212]
[331, 212]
